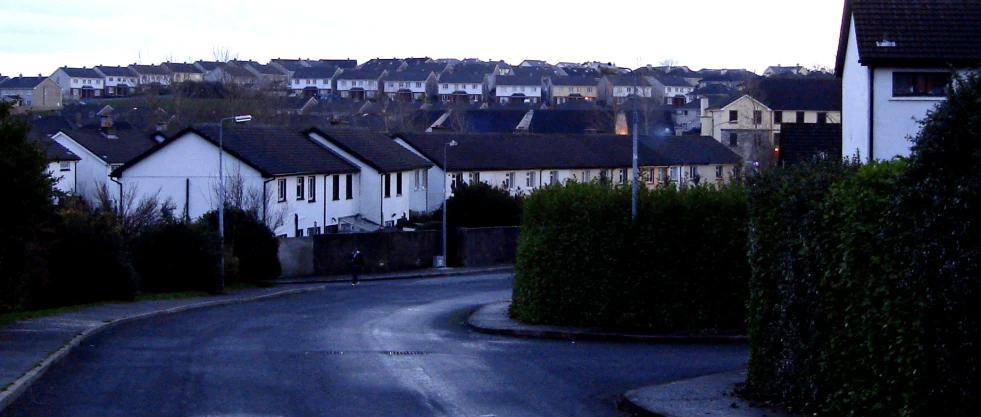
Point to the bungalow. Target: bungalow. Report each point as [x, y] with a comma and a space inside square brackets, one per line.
[385, 171]
[359, 84]
[520, 164]
[895, 60]
[295, 196]
[120, 81]
[79, 83]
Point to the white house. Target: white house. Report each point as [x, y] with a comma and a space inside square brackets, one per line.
[462, 86]
[518, 89]
[120, 81]
[62, 164]
[298, 187]
[387, 172]
[670, 90]
[359, 84]
[521, 164]
[895, 60]
[622, 87]
[313, 81]
[101, 151]
[79, 83]
[410, 85]
[152, 75]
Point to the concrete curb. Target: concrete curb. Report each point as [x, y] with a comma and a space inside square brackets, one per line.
[573, 333]
[20, 385]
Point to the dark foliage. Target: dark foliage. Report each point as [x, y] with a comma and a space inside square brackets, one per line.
[25, 226]
[682, 265]
[176, 256]
[480, 205]
[251, 249]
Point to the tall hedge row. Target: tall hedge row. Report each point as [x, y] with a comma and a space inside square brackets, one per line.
[682, 264]
[864, 287]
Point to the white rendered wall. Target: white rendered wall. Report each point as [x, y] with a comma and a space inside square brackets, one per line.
[92, 173]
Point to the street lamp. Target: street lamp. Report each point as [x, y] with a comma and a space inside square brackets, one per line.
[221, 196]
[446, 170]
[633, 185]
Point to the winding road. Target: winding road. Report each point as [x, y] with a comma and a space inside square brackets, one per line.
[383, 348]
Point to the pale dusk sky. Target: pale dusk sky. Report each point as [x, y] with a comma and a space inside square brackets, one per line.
[39, 36]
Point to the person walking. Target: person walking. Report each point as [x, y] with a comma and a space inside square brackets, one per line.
[357, 264]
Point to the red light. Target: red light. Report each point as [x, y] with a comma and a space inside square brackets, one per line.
[777, 149]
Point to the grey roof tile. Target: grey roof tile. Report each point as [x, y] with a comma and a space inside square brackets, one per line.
[376, 149]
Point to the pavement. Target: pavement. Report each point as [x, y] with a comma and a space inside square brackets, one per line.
[30, 347]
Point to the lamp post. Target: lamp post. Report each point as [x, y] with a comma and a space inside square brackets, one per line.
[221, 196]
[446, 170]
[633, 185]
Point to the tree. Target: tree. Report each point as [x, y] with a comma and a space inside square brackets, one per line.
[23, 227]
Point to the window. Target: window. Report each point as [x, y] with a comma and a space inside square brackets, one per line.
[311, 189]
[530, 179]
[733, 116]
[692, 171]
[473, 177]
[418, 85]
[585, 176]
[65, 166]
[446, 86]
[920, 84]
[758, 140]
[337, 187]
[349, 192]
[733, 140]
[415, 179]
[718, 172]
[473, 86]
[623, 176]
[757, 117]
[553, 177]
[800, 117]
[425, 179]
[388, 185]
[299, 188]
[398, 184]
[822, 118]
[509, 181]
[282, 189]
[777, 117]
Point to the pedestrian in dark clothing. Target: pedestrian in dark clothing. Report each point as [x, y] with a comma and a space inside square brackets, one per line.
[357, 264]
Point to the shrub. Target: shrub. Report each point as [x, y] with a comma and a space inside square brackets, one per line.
[582, 260]
[176, 256]
[254, 248]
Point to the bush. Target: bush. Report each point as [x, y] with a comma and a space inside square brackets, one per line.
[480, 205]
[176, 256]
[93, 263]
[582, 261]
[254, 248]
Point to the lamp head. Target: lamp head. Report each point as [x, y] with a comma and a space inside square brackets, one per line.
[452, 143]
[243, 118]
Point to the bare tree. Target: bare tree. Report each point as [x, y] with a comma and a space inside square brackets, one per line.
[252, 199]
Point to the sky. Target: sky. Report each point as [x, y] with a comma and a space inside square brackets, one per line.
[39, 36]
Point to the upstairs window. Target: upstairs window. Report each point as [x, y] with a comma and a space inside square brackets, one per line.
[282, 189]
[920, 84]
[757, 117]
[311, 188]
[800, 117]
[337, 188]
[777, 117]
[349, 189]
[299, 188]
[822, 118]
[733, 116]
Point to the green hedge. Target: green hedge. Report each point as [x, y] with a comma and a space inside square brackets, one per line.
[581, 260]
[864, 287]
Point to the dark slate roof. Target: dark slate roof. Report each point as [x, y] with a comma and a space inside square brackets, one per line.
[526, 80]
[925, 32]
[117, 71]
[485, 121]
[375, 149]
[314, 72]
[714, 90]
[572, 121]
[498, 152]
[150, 69]
[236, 71]
[360, 74]
[462, 77]
[209, 65]
[408, 75]
[800, 142]
[340, 63]
[721, 101]
[428, 66]
[627, 80]
[22, 82]
[126, 146]
[536, 71]
[582, 72]
[572, 80]
[182, 67]
[480, 68]
[55, 152]
[272, 150]
[50, 125]
[81, 72]
[672, 81]
[821, 94]
[728, 75]
[266, 69]
[289, 64]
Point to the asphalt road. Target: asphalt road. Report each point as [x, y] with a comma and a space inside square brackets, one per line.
[393, 348]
